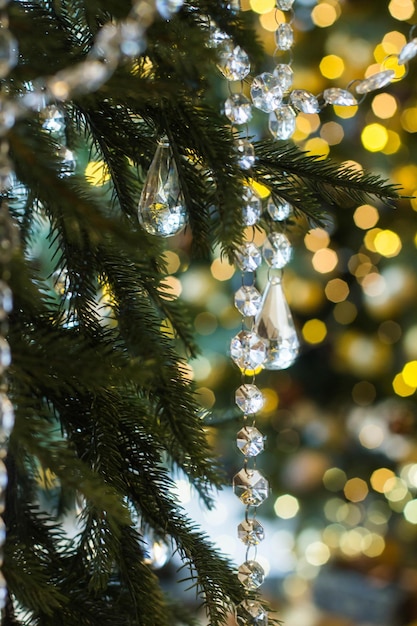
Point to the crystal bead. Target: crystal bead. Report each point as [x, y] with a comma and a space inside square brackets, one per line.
[6, 416]
[6, 300]
[245, 154]
[247, 350]
[248, 257]
[282, 122]
[252, 206]
[53, 119]
[250, 441]
[233, 61]
[266, 92]
[217, 36]
[340, 97]
[251, 613]
[248, 300]
[8, 52]
[3, 476]
[277, 250]
[238, 108]
[408, 52]
[285, 76]
[7, 115]
[67, 162]
[376, 81]
[285, 5]
[249, 399]
[250, 487]
[279, 209]
[251, 575]
[6, 355]
[167, 8]
[304, 101]
[161, 209]
[251, 532]
[284, 37]
[274, 323]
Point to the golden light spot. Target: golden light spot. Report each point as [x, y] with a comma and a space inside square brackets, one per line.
[345, 112]
[262, 6]
[410, 511]
[269, 21]
[366, 216]
[325, 260]
[382, 50]
[256, 236]
[373, 285]
[332, 66]
[409, 119]
[374, 137]
[345, 313]
[221, 269]
[393, 143]
[170, 287]
[379, 477]
[332, 132]
[324, 14]
[406, 176]
[336, 290]
[314, 331]
[401, 9]
[395, 489]
[389, 332]
[391, 63]
[205, 397]
[369, 239]
[271, 400]
[286, 506]
[317, 146]
[317, 553]
[205, 323]
[172, 261]
[316, 239]
[374, 545]
[334, 479]
[397, 39]
[371, 436]
[97, 173]
[259, 188]
[387, 243]
[356, 490]
[409, 374]
[384, 105]
[401, 388]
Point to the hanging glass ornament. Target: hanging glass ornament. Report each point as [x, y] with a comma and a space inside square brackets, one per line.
[68, 162]
[277, 250]
[248, 300]
[282, 122]
[247, 350]
[238, 108]
[251, 574]
[304, 101]
[245, 153]
[250, 487]
[53, 119]
[275, 325]
[161, 209]
[283, 72]
[279, 209]
[284, 37]
[249, 399]
[250, 441]
[252, 206]
[233, 61]
[251, 532]
[248, 257]
[251, 613]
[266, 92]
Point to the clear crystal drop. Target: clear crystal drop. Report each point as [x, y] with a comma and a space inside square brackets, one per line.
[376, 81]
[248, 300]
[408, 52]
[238, 108]
[217, 36]
[282, 122]
[68, 162]
[304, 101]
[250, 441]
[274, 323]
[284, 37]
[249, 399]
[251, 532]
[250, 487]
[266, 92]
[251, 574]
[277, 250]
[278, 209]
[340, 97]
[285, 5]
[252, 206]
[53, 119]
[247, 350]
[285, 76]
[167, 8]
[6, 300]
[6, 355]
[161, 209]
[233, 61]
[8, 52]
[245, 154]
[251, 613]
[6, 416]
[248, 257]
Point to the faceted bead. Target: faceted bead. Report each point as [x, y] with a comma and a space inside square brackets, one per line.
[284, 37]
[233, 61]
[376, 81]
[6, 416]
[340, 97]
[6, 356]
[250, 441]
[252, 206]
[238, 108]
[248, 300]
[249, 399]
[251, 575]
[278, 209]
[247, 350]
[8, 52]
[285, 76]
[68, 162]
[7, 115]
[217, 36]
[285, 5]
[266, 92]
[251, 613]
[408, 52]
[248, 257]
[166, 8]
[304, 101]
[282, 122]
[250, 487]
[277, 250]
[53, 119]
[251, 532]
[6, 300]
[245, 154]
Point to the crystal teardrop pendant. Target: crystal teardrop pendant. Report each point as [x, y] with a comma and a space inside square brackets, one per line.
[275, 325]
[161, 209]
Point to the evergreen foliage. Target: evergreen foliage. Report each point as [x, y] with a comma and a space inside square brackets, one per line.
[104, 411]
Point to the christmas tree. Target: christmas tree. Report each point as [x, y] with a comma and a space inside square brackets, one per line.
[105, 415]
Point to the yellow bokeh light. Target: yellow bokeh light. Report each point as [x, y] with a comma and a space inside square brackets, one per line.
[393, 144]
[221, 269]
[259, 188]
[172, 261]
[384, 105]
[316, 239]
[395, 489]
[373, 546]
[271, 400]
[379, 477]
[286, 506]
[314, 331]
[332, 132]
[406, 177]
[387, 243]
[332, 66]
[397, 39]
[369, 239]
[366, 216]
[355, 489]
[170, 287]
[262, 6]
[334, 479]
[317, 146]
[363, 394]
[317, 553]
[409, 119]
[409, 374]
[401, 9]
[336, 290]
[391, 63]
[269, 21]
[325, 260]
[383, 49]
[206, 397]
[401, 388]
[345, 313]
[345, 112]
[324, 14]
[374, 137]
[97, 173]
